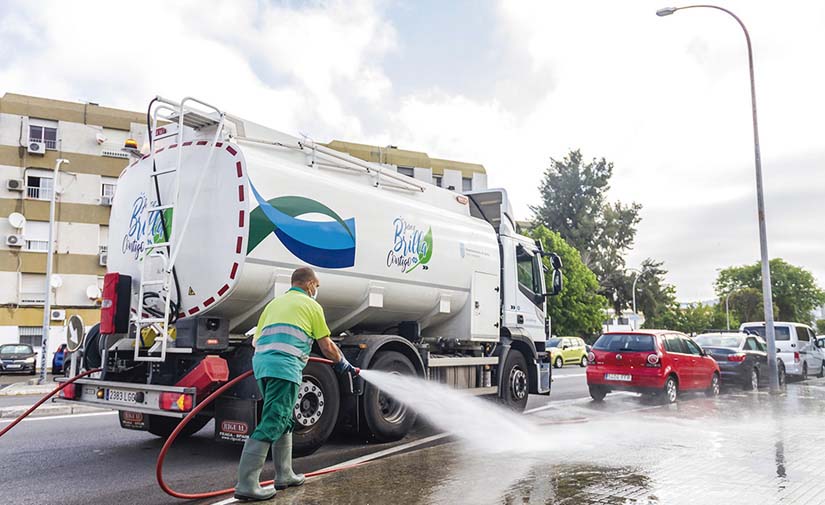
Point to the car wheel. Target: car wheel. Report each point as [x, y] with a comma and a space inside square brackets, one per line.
[558, 363]
[671, 390]
[752, 382]
[781, 374]
[804, 371]
[713, 390]
[597, 393]
[387, 419]
[584, 362]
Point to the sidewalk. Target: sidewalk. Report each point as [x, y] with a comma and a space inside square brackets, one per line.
[24, 388]
[24, 395]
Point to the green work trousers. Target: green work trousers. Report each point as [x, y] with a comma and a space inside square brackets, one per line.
[279, 400]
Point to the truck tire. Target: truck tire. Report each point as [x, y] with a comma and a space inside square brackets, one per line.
[163, 426]
[515, 381]
[387, 419]
[316, 412]
[91, 349]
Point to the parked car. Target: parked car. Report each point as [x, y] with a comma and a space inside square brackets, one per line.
[741, 357]
[17, 358]
[795, 346]
[655, 362]
[60, 359]
[567, 351]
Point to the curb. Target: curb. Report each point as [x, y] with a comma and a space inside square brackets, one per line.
[48, 410]
[22, 388]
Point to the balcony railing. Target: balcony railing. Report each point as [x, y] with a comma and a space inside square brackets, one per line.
[39, 193]
[37, 245]
[32, 298]
[50, 144]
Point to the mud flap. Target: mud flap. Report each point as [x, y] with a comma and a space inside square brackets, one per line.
[235, 419]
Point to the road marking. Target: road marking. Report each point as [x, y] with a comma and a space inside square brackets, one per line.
[366, 458]
[570, 376]
[49, 418]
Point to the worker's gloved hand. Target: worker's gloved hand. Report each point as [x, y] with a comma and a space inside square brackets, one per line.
[344, 366]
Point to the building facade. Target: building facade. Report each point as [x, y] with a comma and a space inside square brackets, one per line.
[34, 133]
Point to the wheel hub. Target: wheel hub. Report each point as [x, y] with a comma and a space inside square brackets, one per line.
[518, 383]
[310, 405]
[391, 409]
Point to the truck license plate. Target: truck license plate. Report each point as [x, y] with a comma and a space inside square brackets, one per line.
[117, 395]
[618, 377]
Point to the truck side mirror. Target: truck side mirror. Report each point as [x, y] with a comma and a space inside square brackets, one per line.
[555, 260]
[557, 283]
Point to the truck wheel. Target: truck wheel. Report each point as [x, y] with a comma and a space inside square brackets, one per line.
[386, 418]
[316, 411]
[91, 349]
[163, 426]
[515, 382]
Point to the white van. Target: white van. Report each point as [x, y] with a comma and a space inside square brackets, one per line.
[796, 346]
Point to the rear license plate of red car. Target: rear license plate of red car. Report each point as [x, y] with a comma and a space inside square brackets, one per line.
[618, 377]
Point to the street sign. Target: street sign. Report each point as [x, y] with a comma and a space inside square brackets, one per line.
[74, 333]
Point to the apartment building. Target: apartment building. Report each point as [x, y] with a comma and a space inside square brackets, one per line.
[34, 133]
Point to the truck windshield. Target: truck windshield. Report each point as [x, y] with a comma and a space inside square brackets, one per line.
[781, 332]
[618, 342]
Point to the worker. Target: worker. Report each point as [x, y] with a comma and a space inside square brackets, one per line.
[286, 330]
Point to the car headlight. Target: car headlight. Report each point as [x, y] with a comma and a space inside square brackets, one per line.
[30, 360]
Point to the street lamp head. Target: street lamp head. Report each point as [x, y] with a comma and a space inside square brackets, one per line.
[666, 11]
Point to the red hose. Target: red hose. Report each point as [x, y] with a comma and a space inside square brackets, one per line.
[43, 400]
[211, 494]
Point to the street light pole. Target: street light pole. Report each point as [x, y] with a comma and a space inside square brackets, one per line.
[727, 309]
[767, 296]
[635, 314]
[47, 306]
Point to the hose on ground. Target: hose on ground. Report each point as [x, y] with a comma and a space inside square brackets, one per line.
[43, 400]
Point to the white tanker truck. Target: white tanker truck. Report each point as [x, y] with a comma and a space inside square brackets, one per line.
[207, 228]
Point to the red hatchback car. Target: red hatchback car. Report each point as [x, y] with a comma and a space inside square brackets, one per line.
[652, 362]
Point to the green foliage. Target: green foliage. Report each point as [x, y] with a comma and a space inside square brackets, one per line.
[578, 309]
[691, 319]
[795, 293]
[573, 194]
[820, 326]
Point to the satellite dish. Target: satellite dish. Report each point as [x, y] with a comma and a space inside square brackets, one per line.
[93, 292]
[57, 281]
[17, 220]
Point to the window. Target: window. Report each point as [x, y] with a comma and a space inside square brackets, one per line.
[781, 332]
[32, 289]
[529, 276]
[717, 340]
[761, 345]
[674, 344]
[802, 334]
[692, 348]
[36, 236]
[39, 184]
[466, 184]
[437, 180]
[750, 344]
[107, 190]
[103, 239]
[408, 171]
[44, 134]
[617, 342]
[31, 335]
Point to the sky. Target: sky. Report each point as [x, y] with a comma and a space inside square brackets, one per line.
[509, 84]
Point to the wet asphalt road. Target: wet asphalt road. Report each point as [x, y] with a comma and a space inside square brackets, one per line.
[89, 458]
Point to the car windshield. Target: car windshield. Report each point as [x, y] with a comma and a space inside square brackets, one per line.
[15, 349]
[554, 342]
[781, 332]
[733, 341]
[624, 342]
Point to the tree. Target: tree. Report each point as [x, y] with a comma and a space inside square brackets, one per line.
[573, 203]
[795, 292]
[820, 326]
[690, 319]
[746, 304]
[578, 309]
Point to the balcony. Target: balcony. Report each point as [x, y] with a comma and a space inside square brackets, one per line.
[39, 193]
[37, 245]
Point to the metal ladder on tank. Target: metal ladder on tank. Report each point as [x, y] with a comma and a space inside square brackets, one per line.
[165, 251]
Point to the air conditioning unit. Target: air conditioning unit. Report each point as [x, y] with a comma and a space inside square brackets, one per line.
[106, 200]
[37, 148]
[15, 185]
[58, 315]
[103, 259]
[14, 240]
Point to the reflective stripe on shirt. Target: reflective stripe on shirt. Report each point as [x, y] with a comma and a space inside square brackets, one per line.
[282, 347]
[287, 329]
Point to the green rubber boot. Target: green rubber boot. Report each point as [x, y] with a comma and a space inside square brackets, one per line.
[282, 457]
[252, 462]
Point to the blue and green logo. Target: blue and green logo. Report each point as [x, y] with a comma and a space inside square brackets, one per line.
[326, 244]
[411, 246]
